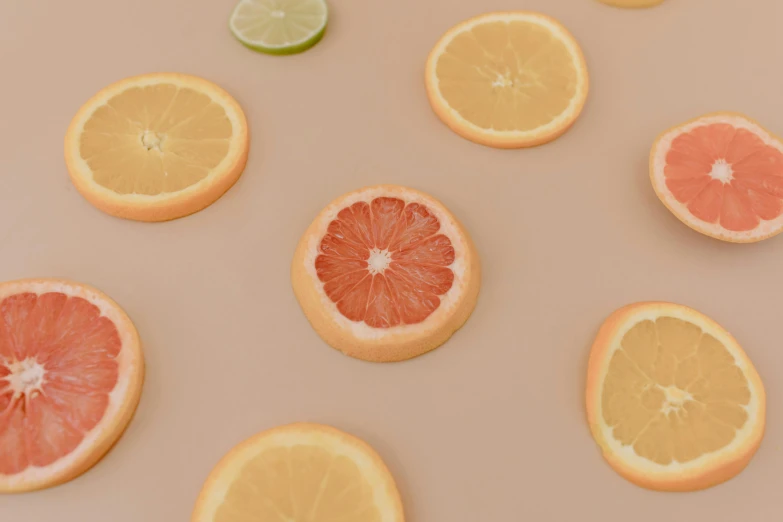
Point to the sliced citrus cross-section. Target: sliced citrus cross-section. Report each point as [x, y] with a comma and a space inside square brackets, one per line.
[672, 399]
[71, 372]
[157, 147]
[279, 26]
[386, 273]
[507, 79]
[722, 175]
[300, 472]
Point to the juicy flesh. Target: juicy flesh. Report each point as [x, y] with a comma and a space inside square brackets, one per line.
[507, 76]
[155, 139]
[57, 367]
[279, 22]
[385, 263]
[726, 175]
[673, 392]
[299, 484]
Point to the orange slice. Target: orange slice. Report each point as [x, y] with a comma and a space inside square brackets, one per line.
[508, 79]
[71, 371]
[157, 147]
[722, 175]
[672, 399]
[386, 273]
[300, 472]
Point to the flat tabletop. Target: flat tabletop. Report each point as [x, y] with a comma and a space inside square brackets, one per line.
[491, 426]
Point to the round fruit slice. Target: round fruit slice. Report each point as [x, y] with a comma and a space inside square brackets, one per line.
[672, 399]
[632, 3]
[300, 472]
[722, 175]
[157, 147]
[71, 371]
[386, 273]
[279, 26]
[507, 80]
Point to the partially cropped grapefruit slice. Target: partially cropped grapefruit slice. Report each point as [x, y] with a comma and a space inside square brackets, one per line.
[71, 372]
[386, 273]
[672, 399]
[722, 175]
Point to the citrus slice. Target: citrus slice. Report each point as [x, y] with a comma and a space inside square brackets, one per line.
[632, 3]
[300, 472]
[672, 399]
[71, 371]
[722, 175]
[386, 273]
[279, 26]
[508, 79]
[157, 146]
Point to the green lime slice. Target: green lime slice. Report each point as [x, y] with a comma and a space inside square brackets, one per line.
[279, 26]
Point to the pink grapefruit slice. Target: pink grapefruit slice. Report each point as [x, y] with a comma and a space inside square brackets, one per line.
[71, 372]
[722, 175]
[386, 273]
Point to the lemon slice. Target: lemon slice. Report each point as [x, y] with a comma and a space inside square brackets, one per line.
[279, 26]
[300, 472]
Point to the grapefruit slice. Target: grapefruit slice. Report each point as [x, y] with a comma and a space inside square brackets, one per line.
[672, 399]
[157, 146]
[386, 273]
[507, 79]
[300, 472]
[722, 175]
[71, 371]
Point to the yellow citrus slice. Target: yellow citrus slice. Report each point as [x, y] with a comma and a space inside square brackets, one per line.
[722, 175]
[157, 147]
[632, 3]
[71, 371]
[386, 273]
[672, 399]
[300, 472]
[507, 79]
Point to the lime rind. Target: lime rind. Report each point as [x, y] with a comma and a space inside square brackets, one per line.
[285, 47]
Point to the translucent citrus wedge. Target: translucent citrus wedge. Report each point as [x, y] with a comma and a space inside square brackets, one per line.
[386, 273]
[300, 472]
[632, 3]
[279, 26]
[722, 175]
[157, 146]
[672, 399]
[509, 79]
[71, 372]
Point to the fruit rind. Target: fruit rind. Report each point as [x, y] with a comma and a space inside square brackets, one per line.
[164, 207]
[99, 441]
[657, 163]
[396, 343]
[505, 139]
[220, 478]
[706, 471]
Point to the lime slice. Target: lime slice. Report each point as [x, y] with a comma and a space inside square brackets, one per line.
[279, 26]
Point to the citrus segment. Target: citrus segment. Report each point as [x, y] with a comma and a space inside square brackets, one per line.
[507, 80]
[672, 399]
[157, 146]
[386, 273]
[722, 175]
[300, 472]
[279, 26]
[70, 378]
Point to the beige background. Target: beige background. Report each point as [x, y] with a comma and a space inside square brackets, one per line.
[491, 425]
